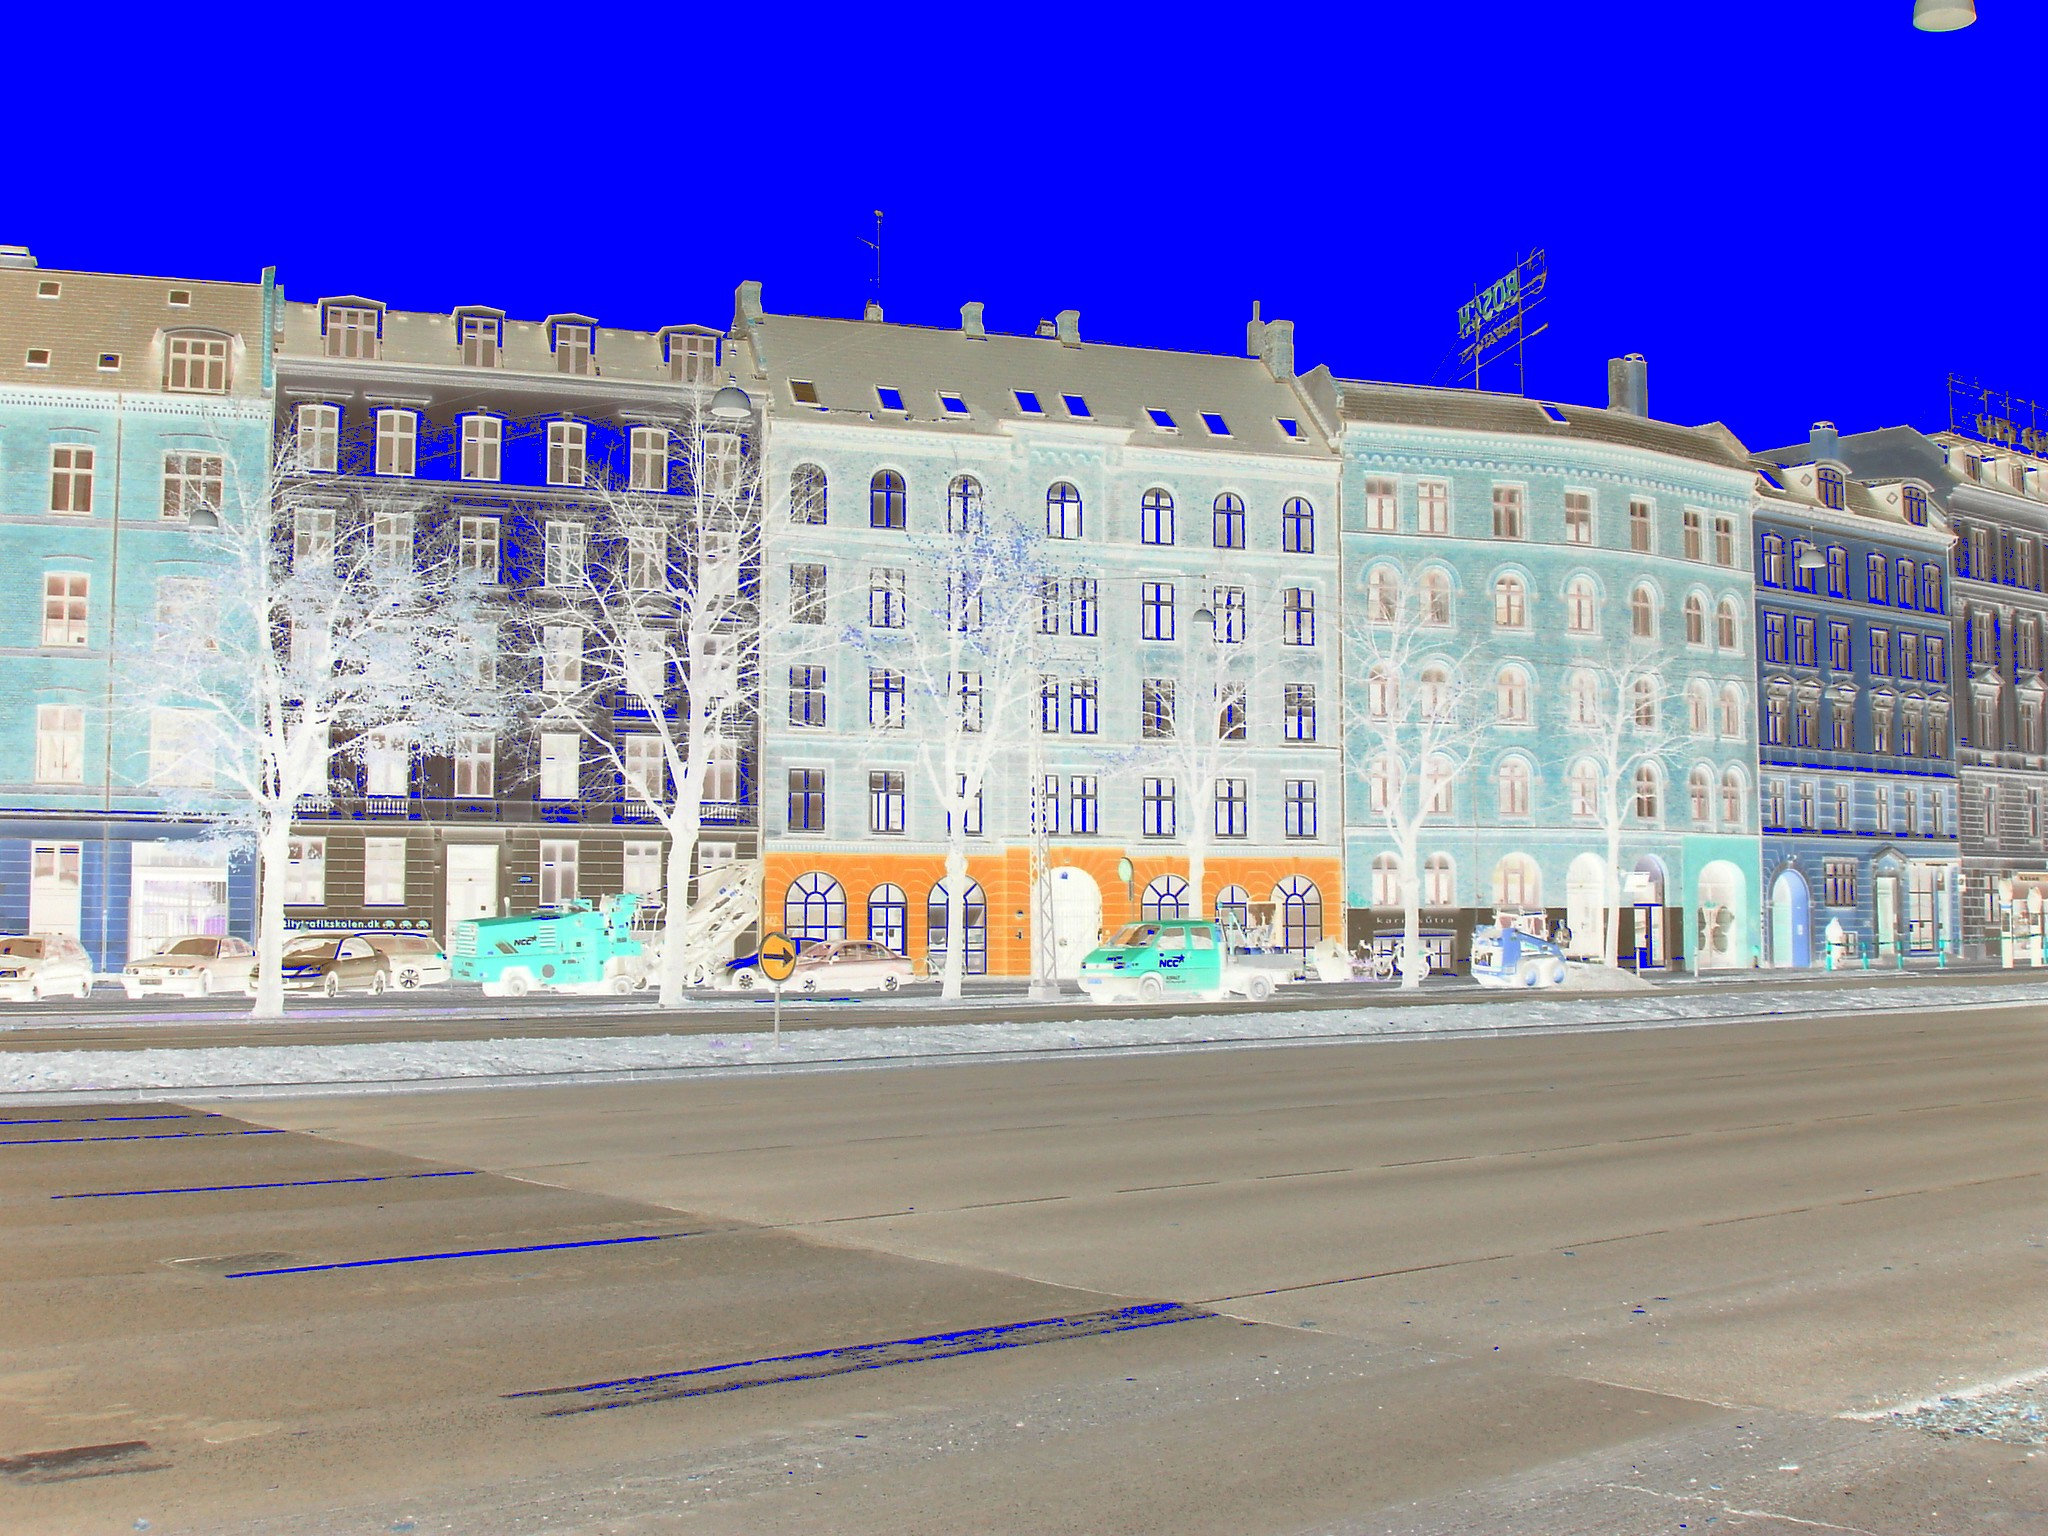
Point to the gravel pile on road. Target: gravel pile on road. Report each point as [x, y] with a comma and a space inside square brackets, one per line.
[2017, 1417]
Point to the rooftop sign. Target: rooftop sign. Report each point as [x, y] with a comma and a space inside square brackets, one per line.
[1496, 320]
[1992, 416]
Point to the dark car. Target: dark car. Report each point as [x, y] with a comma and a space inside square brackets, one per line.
[334, 963]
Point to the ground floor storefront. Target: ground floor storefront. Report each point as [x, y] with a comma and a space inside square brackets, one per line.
[1841, 902]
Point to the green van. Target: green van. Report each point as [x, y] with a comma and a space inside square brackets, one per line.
[1191, 958]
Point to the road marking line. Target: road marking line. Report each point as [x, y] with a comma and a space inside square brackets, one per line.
[61, 1141]
[99, 1119]
[459, 1253]
[210, 1189]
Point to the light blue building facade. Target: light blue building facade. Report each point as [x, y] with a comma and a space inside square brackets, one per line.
[125, 403]
[1548, 541]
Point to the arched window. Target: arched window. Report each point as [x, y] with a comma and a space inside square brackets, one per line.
[1297, 527]
[1510, 602]
[1731, 712]
[1439, 881]
[1156, 519]
[1648, 796]
[1727, 630]
[1234, 907]
[1700, 790]
[1165, 898]
[889, 919]
[1300, 906]
[1511, 786]
[1517, 882]
[1382, 693]
[1645, 691]
[974, 919]
[1436, 597]
[963, 504]
[888, 502]
[1585, 788]
[1433, 697]
[807, 495]
[1439, 784]
[1383, 594]
[1583, 690]
[1063, 512]
[1732, 812]
[1228, 529]
[1579, 606]
[1511, 696]
[1695, 619]
[1642, 614]
[1386, 880]
[814, 909]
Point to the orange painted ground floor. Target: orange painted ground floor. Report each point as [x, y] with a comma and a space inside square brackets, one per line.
[897, 898]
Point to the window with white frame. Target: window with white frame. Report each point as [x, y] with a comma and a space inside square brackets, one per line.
[885, 597]
[186, 613]
[1578, 517]
[558, 857]
[1438, 883]
[1298, 616]
[387, 762]
[71, 474]
[1510, 602]
[1155, 610]
[1584, 785]
[1433, 506]
[1724, 539]
[1580, 606]
[1159, 820]
[1233, 813]
[1642, 613]
[1508, 519]
[391, 541]
[693, 359]
[807, 696]
[305, 872]
[561, 657]
[1063, 512]
[476, 766]
[477, 547]
[383, 871]
[192, 481]
[483, 442]
[481, 337]
[647, 558]
[562, 560]
[561, 765]
[319, 439]
[1156, 522]
[351, 330]
[642, 866]
[645, 772]
[970, 807]
[1298, 712]
[1511, 696]
[180, 750]
[885, 800]
[1582, 691]
[64, 607]
[1641, 533]
[885, 699]
[312, 537]
[1082, 803]
[567, 445]
[1382, 504]
[1435, 591]
[1297, 527]
[60, 744]
[1511, 786]
[1226, 527]
[1695, 534]
[648, 465]
[572, 348]
[398, 437]
[196, 365]
[1227, 610]
[1082, 610]
[1301, 797]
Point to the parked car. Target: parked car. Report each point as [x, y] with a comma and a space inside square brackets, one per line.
[412, 959]
[39, 965]
[331, 963]
[1148, 962]
[194, 966]
[849, 965]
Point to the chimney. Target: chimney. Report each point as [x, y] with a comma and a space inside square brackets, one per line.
[873, 310]
[1067, 326]
[1628, 384]
[1255, 334]
[1276, 349]
[970, 322]
[15, 256]
[1045, 328]
[1826, 442]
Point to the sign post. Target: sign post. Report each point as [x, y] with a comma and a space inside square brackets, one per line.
[777, 959]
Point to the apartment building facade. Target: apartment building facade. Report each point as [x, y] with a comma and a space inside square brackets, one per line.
[126, 404]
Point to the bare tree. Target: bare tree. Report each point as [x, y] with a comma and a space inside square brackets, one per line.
[320, 614]
[960, 670]
[643, 645]
[1626, 722]
[1412, 725]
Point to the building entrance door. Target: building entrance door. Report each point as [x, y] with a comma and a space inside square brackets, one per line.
[1791, 922]
[472, 884]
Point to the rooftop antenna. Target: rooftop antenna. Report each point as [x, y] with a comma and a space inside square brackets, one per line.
[875, 245]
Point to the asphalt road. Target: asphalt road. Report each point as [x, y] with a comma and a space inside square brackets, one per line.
[1611, 1284]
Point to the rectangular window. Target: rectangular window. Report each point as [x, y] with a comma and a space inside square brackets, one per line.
[1641, 534]
[351, 332]
[561, 657]
[885, 801]
[646, 774]
[1048, 705]
[391, 541]
[693, 359]
[1839, 794]
[60, 744]
[312, 537]
[187, 613]
[647, 558]
[1695, 534]
[562, 553]
[1877, 579]
[1578, 517]
[1909, 654]
[1774, 637]
[477, 547]
[567, 442]
[966, 688]
[1233, 816]
[1937, 659]
[1156, 518]
[1839, 882]
[1802, 640]
[561, 766]
[885, 598]
[305, 872]
[1838, 571]
[1049, 605]
[476, 766]
[807, 594]
[1880, 652]
[1301, 808]
[1232, 716]
[1382, 505]
[1298, 625]
[1839, 656]
[641, 864]
[970, 818]
[64, 607]
[383, 871]
[319, 439]
[1227, 614]
[192, 481]
[71, 469]
[483, 443]
[649, 462]
[387, 763]
[1433, 506]
[1724, 539]
[1045, 805]
[807, 696]
[572, 348]
[1081, 600]
[1508, 521]
[1299, 711]
[398, 441]
[886, 710]
[196, 365]
[1081, 804]
[1156, 709]
[1160, 820]
[1156, 610]
[180, 751]
[480, 341]
[557, 872]
[1083, 694]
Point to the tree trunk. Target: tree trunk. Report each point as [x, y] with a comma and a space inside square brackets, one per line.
[1611, 955]
[1198, 869]
[675, 912]
[956, 917]
[1412, 971]
[273, 858]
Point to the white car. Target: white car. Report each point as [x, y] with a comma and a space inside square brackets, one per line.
[848, 965]
[414, 959]
[189, 967]
[41, 965]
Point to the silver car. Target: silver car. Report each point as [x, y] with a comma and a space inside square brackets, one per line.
[190, 967]
[40, 965]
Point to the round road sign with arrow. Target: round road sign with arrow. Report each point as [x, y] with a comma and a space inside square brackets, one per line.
[777, 957]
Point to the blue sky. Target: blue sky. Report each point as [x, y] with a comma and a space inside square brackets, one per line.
[1795, 209]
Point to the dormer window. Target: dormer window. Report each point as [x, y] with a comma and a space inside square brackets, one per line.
[1915, 504]
[1162, 419]
[1027, 402]
[352, 330]
[1828, 487]
[196, 365]
[1077, 407]
[572, 347]
[483, 337]
[952, 404]
[692, 359]
[890, 399]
